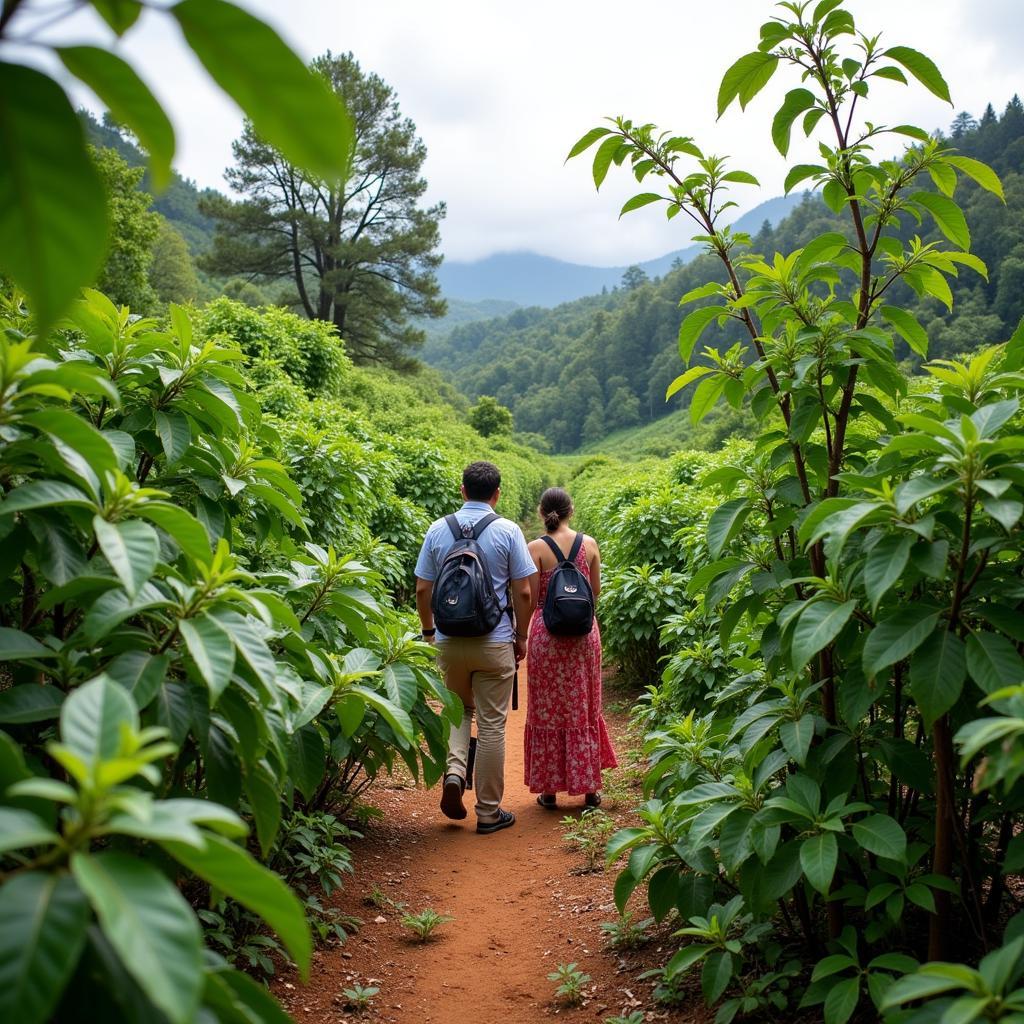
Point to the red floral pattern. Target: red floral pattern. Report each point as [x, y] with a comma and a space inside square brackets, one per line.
[566, 742]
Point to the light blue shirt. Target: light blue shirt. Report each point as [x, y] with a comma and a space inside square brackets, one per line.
[503, 545]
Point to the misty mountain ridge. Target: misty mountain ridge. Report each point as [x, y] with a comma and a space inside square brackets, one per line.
[529, 279]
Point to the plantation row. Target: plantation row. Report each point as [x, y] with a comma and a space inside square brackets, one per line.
[834, 607]
[209, 526]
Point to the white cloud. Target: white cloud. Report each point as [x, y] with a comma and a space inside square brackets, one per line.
[499, 93]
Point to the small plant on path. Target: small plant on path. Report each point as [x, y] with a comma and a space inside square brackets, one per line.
[636, 1017]
[589, 834]
[627, 933]
[423, 924]
[570, 983]
[359, 997]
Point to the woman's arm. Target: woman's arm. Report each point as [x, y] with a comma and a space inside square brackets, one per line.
[594, 564]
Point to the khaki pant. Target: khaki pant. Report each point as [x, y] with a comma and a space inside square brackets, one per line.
[480, 671]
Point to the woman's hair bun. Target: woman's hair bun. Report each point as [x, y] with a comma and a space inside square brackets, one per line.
[555, 507]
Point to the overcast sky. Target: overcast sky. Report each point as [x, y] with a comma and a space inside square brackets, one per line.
[499, 92]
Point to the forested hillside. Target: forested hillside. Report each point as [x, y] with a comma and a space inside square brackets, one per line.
[589, 368]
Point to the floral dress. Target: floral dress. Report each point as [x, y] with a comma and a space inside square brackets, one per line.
[566, 742]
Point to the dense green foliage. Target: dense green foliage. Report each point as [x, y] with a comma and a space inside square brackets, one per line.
[188, 652]
[834, 792]
[357, 250]
[614, 355]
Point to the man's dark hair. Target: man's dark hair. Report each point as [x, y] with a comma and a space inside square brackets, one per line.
[481, 480]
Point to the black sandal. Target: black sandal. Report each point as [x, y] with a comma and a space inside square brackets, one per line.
[592, 800]
[548, 800]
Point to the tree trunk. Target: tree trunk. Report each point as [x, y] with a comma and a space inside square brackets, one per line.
[942, 857]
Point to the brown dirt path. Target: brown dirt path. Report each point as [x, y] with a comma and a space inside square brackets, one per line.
[519, 912]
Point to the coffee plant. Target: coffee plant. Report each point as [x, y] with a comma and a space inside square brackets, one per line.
[855, 789]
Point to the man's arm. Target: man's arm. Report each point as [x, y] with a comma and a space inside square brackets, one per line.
[424, 592]
[522, 605]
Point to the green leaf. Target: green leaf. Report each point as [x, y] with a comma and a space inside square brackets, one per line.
[229, 868]
[981, 173]
[715, 976]
[140, 673]
[918, 986]
[819, 624]
[907, 328]
[151, 927]
[692, 374]
[265, 797]
[745, 79]
[922, 68]
[120, 15]
[885, 564]
[43, 921]
[993, 661]
[186, 531]
[396, 717]
[175, 434]
[53, 210]
[644, 199]
[43, 494]
[78, 434]
[705, 395]
[212, 650]
[818, 857]
[881, 835]
[248, 999]
[937, 672]
[949, 218]
[801, 172]
[20, 829]
[796, 738]
[898, 637]
[400, 685]
[842, 1000]
[129, 101]
[131, 547]
[21, 705]
[587, 141]
[693, 327]
[278, 93]
[604, 156]
[16, 646]
[795, 103]
[92, 716]
[725, 523]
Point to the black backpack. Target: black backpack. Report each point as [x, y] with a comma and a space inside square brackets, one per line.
[569, 605]
[464, 602]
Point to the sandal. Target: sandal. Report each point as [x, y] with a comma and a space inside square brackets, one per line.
[548, 800]
[592, 800]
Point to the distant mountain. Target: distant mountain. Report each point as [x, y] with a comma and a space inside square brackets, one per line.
[528, 279]
[462, 312]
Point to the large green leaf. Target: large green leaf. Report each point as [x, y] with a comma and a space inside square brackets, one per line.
[948, 216]
[150, 925]
[278, 93]
[92, 716]
[265, 799]
[396, 717]
[881, 835]
[937, 672]
[993, 661]
[175, 434]
[229, 868]
[725, 523]
[21, 829]
[922, 68]
[746, 78]
[818, 857]
[307, 760]
[819, 624]
[43, 494]
[797, 736]
[693, 327]
[898, 637]
[981, 173]
[885, 564]
[30, 703]
[43, 920]
[129, 100]
[234, 996]
[212, 650]
[78, 434]
[132, 548]
[17, 646]
[795, 103]
[183, 527]
[53, 211]
[842, 1000]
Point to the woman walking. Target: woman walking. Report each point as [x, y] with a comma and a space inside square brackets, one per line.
[566, 743]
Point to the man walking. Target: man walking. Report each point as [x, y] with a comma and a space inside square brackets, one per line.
[478, 663]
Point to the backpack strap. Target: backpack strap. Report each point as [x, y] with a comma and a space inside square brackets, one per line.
[575, 549]
[482, 524]
[555, 549]
[454, 526]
